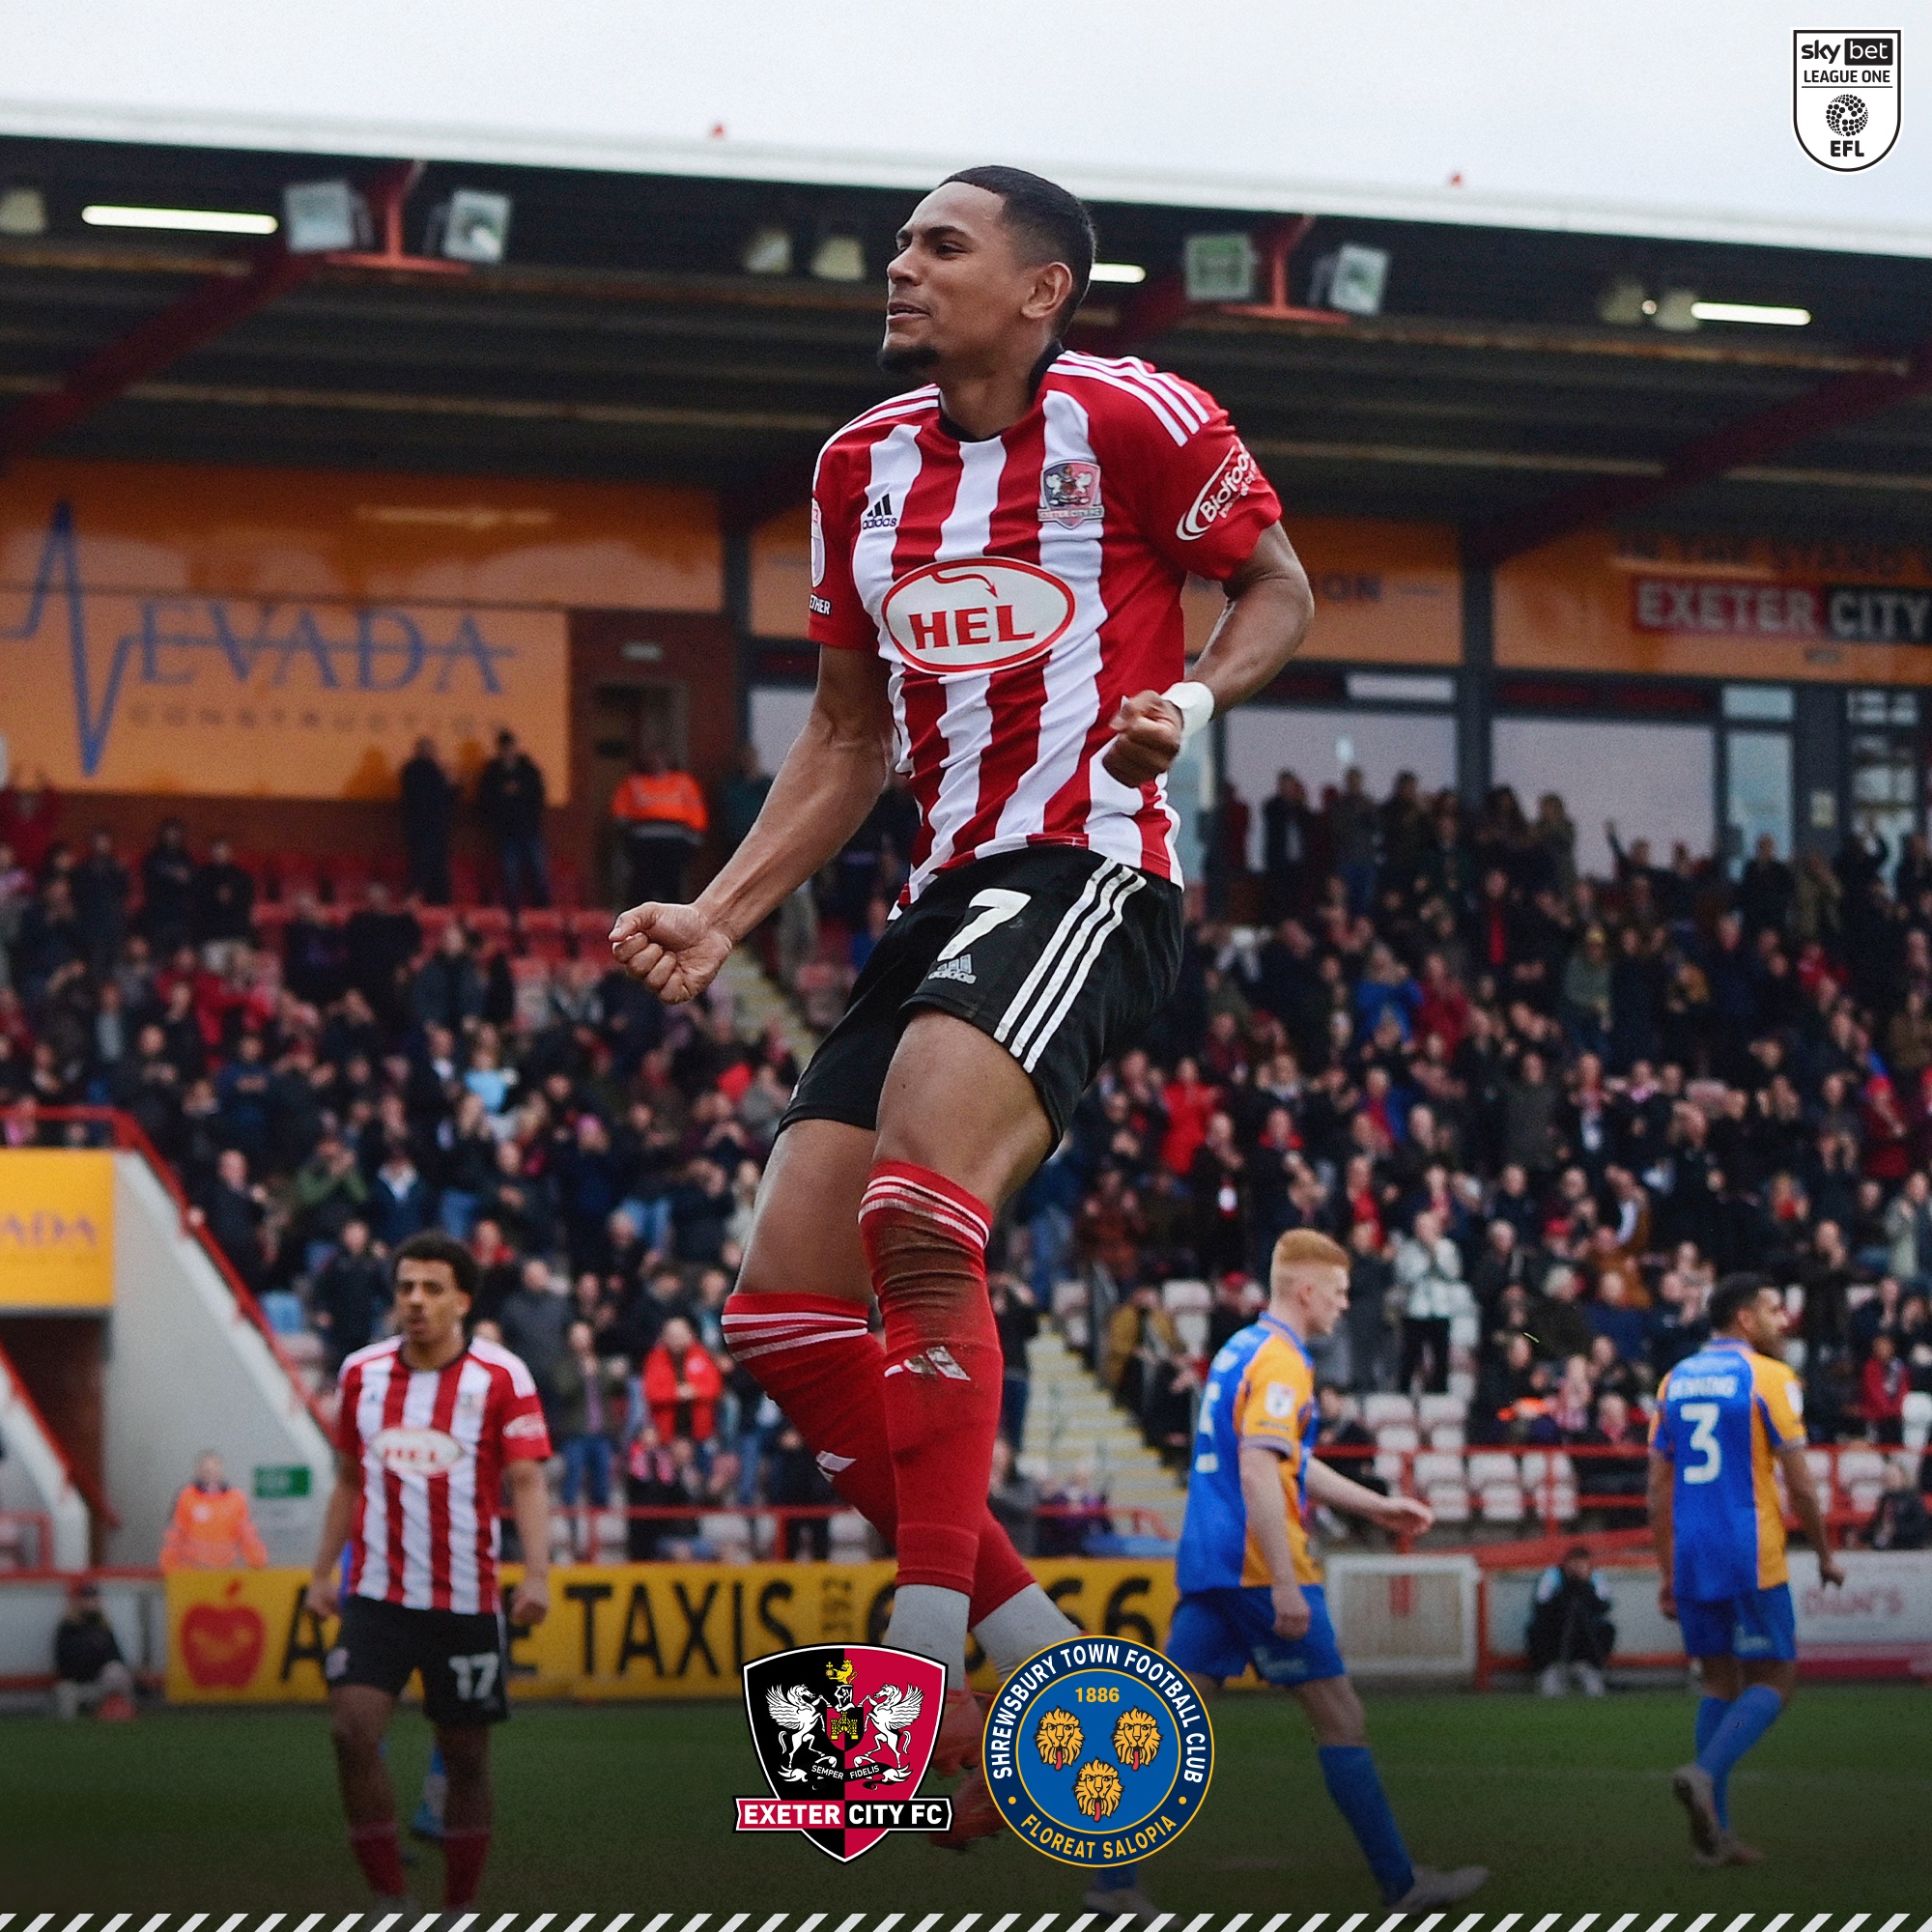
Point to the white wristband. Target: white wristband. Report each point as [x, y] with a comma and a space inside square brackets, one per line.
[1196, 704]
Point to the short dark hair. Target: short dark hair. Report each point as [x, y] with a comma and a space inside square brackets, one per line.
[1050, 224]
[434, 1245]
[1733, 1295]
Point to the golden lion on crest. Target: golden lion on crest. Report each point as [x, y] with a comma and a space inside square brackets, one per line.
[1097, 1789]
[1137, 1738]
[1058, 1738]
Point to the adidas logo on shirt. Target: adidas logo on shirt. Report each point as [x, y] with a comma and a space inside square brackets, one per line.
[880, 514]
[960, 969]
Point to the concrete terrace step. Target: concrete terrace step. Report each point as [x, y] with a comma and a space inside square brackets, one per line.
[1078, 1434]
[760, 1003]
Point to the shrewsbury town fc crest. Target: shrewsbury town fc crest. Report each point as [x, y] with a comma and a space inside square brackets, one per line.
[844, 1732]
[1099, 1752]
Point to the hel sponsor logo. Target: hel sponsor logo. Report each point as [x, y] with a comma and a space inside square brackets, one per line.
[1225, 487]
[985, 613]
[1069, 493]
[1845, 96]
[820, 607]
[417, 1452]
[521, 1428]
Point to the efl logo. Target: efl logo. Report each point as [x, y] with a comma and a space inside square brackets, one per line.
[985, 614]
[1845, 95]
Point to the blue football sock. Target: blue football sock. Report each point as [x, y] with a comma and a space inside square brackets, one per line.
[1356, 1785]
[1114, 1878]
[1752, 1714]
[1711, 1713]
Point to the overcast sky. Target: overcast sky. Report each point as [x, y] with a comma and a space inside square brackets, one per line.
[1645, 116]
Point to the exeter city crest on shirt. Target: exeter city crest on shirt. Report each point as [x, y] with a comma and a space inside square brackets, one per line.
[1069, 493]
[844, 1733]
[1845, 94]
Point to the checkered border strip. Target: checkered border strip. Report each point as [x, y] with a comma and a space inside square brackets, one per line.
[940, 1921]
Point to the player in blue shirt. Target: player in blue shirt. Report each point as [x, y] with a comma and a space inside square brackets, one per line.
[1728, 1418]
[1251, 1590]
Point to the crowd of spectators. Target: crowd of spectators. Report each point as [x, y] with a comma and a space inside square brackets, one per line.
[1542, 1112]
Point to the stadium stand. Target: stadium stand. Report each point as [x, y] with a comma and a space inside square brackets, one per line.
[1546, 1112]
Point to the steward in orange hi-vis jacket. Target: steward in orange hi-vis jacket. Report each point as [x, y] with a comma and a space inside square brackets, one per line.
[212, 1528]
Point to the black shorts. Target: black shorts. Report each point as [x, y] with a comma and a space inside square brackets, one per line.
[462, 1656]
[1062, 956]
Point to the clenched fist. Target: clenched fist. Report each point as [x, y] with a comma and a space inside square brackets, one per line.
[1147, 738]
[674, 949]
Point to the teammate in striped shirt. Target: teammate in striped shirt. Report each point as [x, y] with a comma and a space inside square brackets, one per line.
[1728, 1421]
[432, 1427]
[998, 559]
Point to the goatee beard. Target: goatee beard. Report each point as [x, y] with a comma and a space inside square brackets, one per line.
[906, 362]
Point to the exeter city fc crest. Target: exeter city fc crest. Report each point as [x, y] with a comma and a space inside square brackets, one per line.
[844, 1732]
[1069, 493]
[1845, 95]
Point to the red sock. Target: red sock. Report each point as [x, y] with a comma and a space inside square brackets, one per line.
[463, 1854]
[925, 1239]
[812, 1355]
[379, 1855]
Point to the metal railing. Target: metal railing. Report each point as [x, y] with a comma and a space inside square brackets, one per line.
[1561, 1482]
[774, 1532]
[26, 1542]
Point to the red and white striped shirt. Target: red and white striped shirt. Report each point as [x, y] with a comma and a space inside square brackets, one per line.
[1021, 587]
[431, 1446]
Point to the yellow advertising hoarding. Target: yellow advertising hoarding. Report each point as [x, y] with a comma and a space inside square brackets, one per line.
[56, 1228]
[616, 1632]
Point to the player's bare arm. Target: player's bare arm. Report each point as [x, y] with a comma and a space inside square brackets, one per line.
[1661, 1496]
[831, 779]
[1803, 1490]
[1270, 609]
[1267, 1522]
[321, 1597]
[1400, 1515]
[530, 1507]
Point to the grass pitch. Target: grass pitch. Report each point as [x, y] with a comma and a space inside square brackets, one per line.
[630, 1808]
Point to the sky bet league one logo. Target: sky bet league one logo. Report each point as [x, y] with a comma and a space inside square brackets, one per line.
[844, 1732]
[1098, 1752]
[1845, 95]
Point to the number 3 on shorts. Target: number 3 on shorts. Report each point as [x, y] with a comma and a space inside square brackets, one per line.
[1703, 1415]
[475, 1676]
[995, 906]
